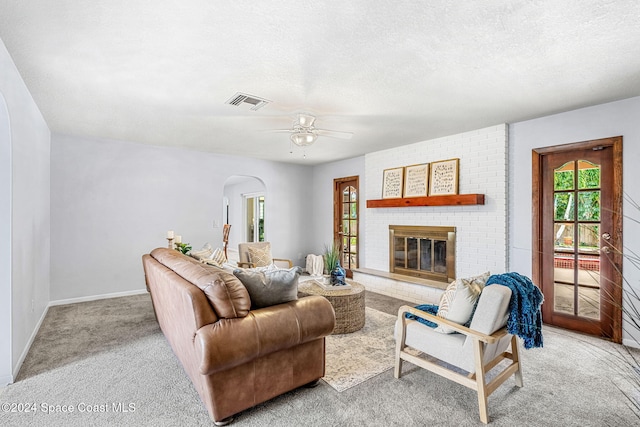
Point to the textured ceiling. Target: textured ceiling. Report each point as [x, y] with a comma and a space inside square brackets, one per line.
[392, 72]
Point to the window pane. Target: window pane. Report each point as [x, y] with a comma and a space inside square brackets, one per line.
[345, 210]
[589, 237]
[588, 175]
[354, 210]
[563, 206]
[563, 236]
[345, 195]
[412, 252]
[589, 206]
[589, 302]
[353, 194]
[563, 177]
[354, 228]
[353, 261]
[440, 256]
[345, 226]
[425, 254]
[563, 298]
[345, 260]
[398, 252]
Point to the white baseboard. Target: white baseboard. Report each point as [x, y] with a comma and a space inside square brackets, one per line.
[9, 379]
[631, 343]
[97, 297]
[27, 347]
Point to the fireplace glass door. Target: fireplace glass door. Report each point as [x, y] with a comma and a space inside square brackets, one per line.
[428, 256]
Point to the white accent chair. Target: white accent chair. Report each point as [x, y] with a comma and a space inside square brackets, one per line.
[475, 350]
[245, 262]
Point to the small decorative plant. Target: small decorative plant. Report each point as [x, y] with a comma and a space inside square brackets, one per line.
[183, 247]
[331, 256]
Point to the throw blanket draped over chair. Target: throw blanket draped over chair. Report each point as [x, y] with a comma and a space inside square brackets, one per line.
[315, 265]
[525, 318]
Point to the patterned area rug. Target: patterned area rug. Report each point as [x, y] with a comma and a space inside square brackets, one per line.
[356, 357]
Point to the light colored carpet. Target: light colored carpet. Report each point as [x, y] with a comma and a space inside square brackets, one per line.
[354, 358]
[111, 352]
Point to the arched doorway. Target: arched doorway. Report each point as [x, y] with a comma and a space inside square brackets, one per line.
[244, 203]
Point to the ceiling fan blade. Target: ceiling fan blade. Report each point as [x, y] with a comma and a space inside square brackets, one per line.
[333, 133]
[280, 130]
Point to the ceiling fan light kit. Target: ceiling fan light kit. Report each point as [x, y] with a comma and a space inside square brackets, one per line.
[303, 138]
[304, 133]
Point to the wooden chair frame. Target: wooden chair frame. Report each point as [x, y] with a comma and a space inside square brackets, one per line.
[250, 264]
[226, 229]
[475, 381]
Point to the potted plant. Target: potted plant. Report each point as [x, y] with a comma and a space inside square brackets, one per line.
[183, 247]
[332, 264]
[331, 256]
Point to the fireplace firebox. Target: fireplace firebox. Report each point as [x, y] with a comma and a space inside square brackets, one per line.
[423, 251]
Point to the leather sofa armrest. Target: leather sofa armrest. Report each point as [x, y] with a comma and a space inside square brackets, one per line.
[232, 342]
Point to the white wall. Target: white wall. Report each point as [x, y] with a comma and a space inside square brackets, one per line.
[321, 196]
[600, 121]
[481, 230]
[30, 216]
[5, 245]
[114, 201]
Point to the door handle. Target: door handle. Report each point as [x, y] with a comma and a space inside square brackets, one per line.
[605, 249]
[606, 236]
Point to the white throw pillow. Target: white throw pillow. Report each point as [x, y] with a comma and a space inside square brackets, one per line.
[204, 253]
[218, 257]
[459, 300]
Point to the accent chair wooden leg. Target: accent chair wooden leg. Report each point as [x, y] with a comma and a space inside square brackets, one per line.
[516, 359]
[478, 350]
[397, 372]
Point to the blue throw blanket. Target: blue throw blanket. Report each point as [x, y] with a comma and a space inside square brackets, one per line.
[429, 308]
[525, 318]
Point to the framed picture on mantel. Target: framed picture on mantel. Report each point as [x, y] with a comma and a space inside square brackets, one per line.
[444, 178]
[392, 180]
[416, 180]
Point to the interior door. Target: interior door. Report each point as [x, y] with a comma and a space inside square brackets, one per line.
[580, 236]
[345, 223]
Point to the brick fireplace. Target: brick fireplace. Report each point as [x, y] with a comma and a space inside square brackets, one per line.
[481, 239]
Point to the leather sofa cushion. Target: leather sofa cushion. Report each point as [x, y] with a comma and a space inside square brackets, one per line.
[231, 342]
[226, 294]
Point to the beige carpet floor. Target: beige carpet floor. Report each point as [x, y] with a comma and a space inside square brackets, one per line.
[109, 361]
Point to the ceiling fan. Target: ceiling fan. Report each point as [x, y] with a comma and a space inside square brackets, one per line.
[304, 133]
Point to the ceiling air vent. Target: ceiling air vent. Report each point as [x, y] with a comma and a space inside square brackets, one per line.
[240, 99]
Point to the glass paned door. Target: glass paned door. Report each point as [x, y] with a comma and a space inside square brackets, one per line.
[577, 258]
[576, 255]
[346, 200]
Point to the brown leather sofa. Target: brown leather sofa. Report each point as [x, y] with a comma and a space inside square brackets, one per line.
[236, 357]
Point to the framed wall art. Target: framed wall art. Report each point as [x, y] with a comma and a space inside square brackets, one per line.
[443, 179]
[392, 180]
[416, 180]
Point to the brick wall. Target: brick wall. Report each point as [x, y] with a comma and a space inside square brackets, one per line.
[481, 231]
